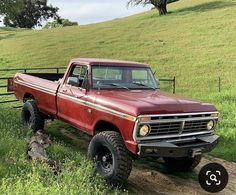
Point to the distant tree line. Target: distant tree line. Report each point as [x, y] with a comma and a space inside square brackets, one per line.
[160, 5]
[30, 13]
[26, 13]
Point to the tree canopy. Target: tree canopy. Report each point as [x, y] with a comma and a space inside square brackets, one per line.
[26, 13]
[160, 5]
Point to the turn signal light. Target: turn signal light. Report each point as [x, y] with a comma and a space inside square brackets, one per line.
[145, 119]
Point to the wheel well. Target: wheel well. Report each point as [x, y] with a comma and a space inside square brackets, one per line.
[105, 126]
[28, 96]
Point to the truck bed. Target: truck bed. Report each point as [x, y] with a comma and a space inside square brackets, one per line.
[47, 76]
[41, 86]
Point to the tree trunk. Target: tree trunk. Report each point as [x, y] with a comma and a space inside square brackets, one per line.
[162, 7]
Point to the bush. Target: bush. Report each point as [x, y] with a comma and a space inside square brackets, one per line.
[60, 23]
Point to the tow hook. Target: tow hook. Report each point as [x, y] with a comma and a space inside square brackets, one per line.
[196, 152]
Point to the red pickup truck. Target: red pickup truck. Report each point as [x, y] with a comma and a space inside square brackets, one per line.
[119, 103]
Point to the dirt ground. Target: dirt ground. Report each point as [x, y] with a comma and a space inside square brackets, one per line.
[152, 181]
[155, 182]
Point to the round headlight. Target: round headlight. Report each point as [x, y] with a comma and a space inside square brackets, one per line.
[144, 130]
[210, 125]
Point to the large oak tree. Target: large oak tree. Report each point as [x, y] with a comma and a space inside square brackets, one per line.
[26, 13]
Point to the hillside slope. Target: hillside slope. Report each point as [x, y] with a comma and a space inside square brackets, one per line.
[196, 43]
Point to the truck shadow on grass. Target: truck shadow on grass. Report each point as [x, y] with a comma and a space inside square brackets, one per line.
[79, 142]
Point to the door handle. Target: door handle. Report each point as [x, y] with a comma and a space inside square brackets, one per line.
[78, 96]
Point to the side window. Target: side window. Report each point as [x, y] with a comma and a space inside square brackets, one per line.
[76, 71]
[77, 76]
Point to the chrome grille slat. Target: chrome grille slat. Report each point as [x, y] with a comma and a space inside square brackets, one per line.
[174, 128]
[194, 131]
[195, 126]
[157, 126]
[161, 131]
[166, 127]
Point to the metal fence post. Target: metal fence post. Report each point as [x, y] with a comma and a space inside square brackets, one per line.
[174, 85]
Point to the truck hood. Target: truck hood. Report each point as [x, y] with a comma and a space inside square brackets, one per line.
[137, 102]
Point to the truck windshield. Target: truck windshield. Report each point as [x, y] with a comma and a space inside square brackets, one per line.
[105, 77]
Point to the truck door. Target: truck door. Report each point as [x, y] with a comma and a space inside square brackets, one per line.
[71, 97]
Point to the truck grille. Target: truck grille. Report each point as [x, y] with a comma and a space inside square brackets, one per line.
[177, 125]
[165, 128]
[193, 126]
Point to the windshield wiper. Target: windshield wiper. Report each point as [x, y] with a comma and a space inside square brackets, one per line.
[143, 85]
[115, 85]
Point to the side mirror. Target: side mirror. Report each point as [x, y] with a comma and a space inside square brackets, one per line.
[74, 81]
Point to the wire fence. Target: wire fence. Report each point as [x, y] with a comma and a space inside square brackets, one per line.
[166, 83]
[8, 97]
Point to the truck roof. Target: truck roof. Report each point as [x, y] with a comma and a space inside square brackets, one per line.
[95, 61]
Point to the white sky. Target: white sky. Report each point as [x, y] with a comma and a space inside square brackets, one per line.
[92, 11]
[0, 22]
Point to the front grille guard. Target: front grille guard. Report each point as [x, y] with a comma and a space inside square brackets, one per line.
[174, 118]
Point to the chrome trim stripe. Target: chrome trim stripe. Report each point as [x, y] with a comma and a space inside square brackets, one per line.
[67, 97]
[135, 130]
[36, 87]
[181, 114]
[175, 136]
[179, 120]
[98, 107]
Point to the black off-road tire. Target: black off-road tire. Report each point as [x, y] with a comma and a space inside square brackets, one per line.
[31, 117]
[184, 164]
[108, 146]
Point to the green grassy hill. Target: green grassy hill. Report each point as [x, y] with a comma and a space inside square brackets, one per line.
[196, 43]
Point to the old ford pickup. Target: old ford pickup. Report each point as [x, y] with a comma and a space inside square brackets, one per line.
[119, 103]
